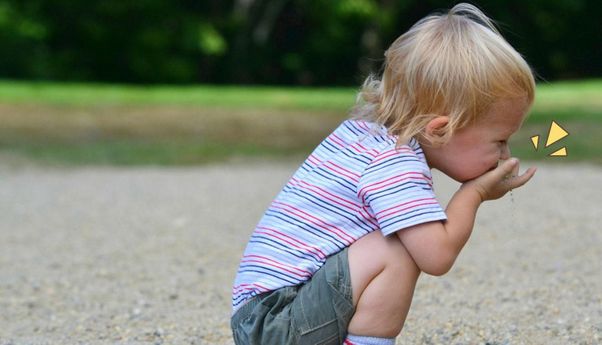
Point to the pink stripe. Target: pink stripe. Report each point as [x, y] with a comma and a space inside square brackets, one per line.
[341, 171]
[400, 176]
[293, 181]
[278, 268]
[402, 205]
[302, 184]
[314, 220]
[383, 156]
[249, 287]
[368, 217]
[313, 160]
[273, 263]
[390, 181]
[331, 197]
[389, 153]
[340, 142]
[384, 216]
[372, 152]
[354, 206]
[356, 175]
[362, 150]
[290, 241]
[363, 125]
[355, 148]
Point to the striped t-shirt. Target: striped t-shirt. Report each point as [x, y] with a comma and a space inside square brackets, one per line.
[356, 181]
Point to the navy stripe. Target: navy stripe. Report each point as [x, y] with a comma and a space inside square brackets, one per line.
[396, 160]
[407, 215]
[350, 216]
[334, 147]
[372, 197]
[264, 239]
[323, 146]
[267, 271]
[336, 179]
[363, 158]
[349, 125]
[294, 252]
[305, 226]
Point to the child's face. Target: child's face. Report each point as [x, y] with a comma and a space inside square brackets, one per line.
[477, 149]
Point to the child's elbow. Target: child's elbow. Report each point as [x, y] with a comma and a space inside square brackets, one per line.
[439, 265]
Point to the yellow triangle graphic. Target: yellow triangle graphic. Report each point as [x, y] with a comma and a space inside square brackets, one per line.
[535, 141]
[559, 153]
[556, 133]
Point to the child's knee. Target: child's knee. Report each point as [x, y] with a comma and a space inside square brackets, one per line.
[375, 254]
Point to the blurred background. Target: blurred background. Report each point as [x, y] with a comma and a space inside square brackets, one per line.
[189, 82]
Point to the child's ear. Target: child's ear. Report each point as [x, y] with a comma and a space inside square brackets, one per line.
[435, 130]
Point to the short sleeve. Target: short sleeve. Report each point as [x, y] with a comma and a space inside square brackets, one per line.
[397, 187]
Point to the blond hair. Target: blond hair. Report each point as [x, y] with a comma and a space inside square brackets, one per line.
[454, 64]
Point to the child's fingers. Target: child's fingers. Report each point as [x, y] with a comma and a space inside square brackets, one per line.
[515, 170]
[507, 169]
[520, 180]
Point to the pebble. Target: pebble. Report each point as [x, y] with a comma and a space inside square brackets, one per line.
[148, 256]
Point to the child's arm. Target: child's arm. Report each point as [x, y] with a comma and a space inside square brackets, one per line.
[434, 246]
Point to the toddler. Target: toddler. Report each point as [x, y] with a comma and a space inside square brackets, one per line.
[336, 256]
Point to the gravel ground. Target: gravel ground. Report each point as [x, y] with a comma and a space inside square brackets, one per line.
[103, 255]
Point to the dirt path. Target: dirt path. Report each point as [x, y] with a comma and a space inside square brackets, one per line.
[148, 255]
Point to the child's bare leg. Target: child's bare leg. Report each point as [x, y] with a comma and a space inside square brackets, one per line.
[383, 277]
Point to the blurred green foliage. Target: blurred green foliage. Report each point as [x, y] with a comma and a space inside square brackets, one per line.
[295, 42]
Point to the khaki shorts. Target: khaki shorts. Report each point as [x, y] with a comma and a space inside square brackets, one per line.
[315, 313]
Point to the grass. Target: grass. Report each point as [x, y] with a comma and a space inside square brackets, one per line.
[181, 125]
[71, 94]
[143, 152]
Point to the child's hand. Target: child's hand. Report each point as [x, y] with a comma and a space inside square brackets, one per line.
[495, 183]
